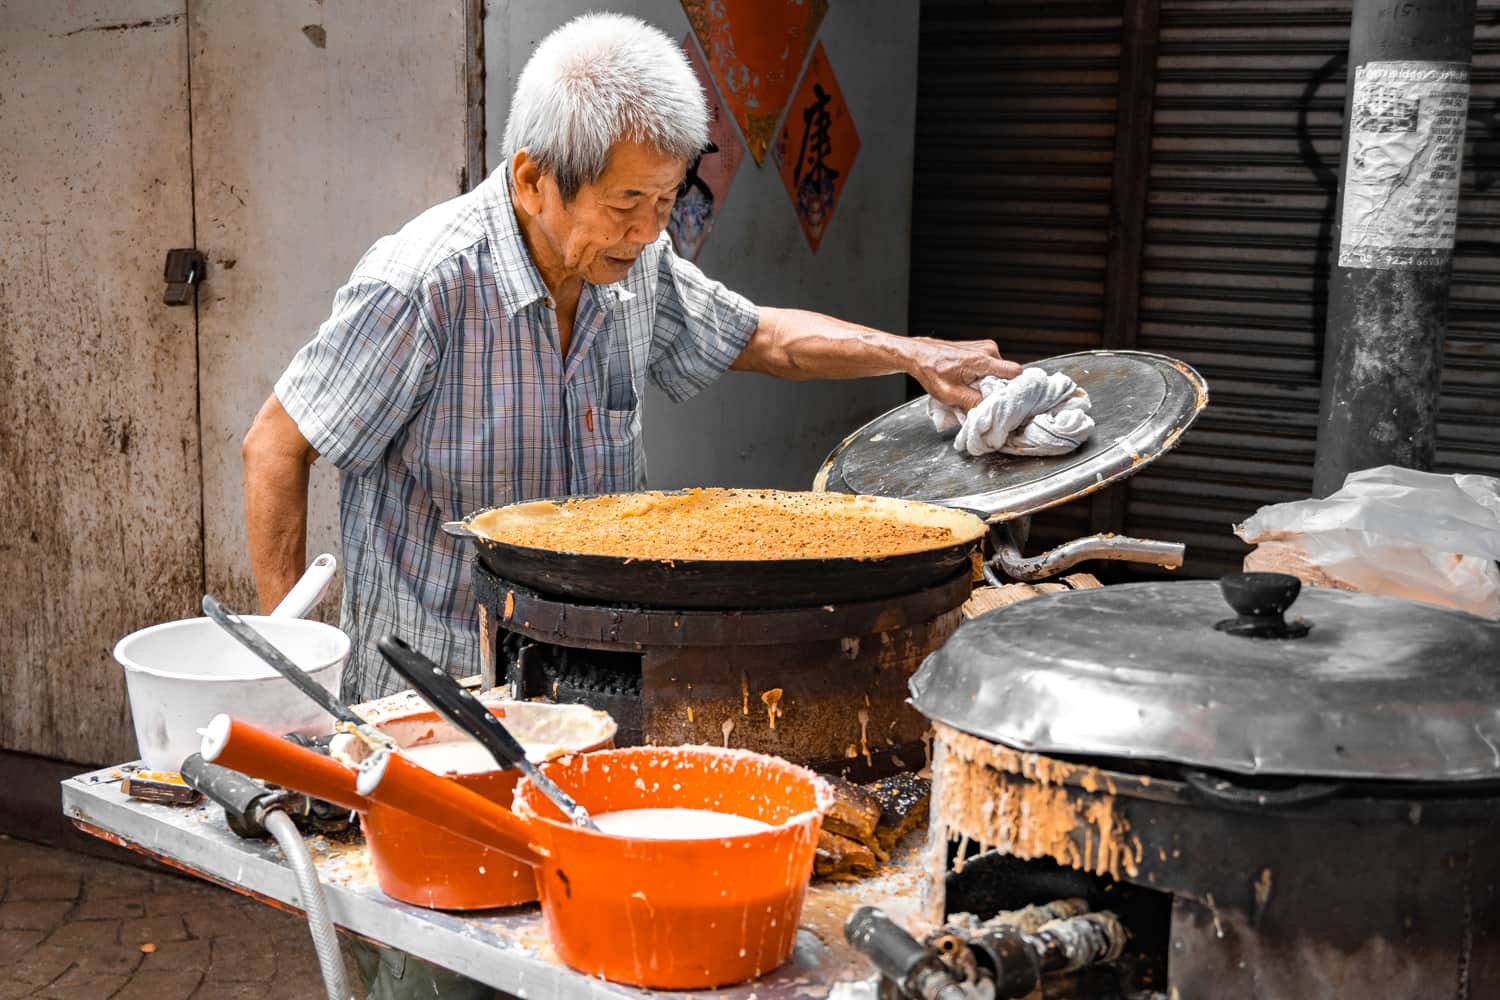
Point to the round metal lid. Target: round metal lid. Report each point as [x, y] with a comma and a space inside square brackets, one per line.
[1378, 688]
[1141, 404]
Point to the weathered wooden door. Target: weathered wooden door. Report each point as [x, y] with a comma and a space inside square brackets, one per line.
[100, 492]
[318, 127]
[280, 138]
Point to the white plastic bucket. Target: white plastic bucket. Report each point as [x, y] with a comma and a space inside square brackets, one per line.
[181, 674]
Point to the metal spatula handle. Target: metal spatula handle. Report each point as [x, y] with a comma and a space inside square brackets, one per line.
[463, 710]
[257, 644]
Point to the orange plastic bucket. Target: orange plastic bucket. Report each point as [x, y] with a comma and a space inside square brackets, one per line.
[683, 914]
[665, 914]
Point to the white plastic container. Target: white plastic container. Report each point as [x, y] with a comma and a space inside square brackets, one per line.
[181, 674]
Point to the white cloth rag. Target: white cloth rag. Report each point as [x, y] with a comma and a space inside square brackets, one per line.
[1032, 414]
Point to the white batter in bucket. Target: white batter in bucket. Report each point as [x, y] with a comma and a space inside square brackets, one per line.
[676, 824]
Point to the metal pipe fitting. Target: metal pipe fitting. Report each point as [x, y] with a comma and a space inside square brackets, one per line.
[1009, 563]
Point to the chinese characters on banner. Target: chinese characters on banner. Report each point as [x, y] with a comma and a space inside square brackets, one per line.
[816, 147]
[708, 176]
[754, 49]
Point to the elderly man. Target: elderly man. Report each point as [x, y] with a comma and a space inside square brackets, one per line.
[496, 348]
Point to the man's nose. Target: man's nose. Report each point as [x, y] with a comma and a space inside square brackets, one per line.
[647, 225]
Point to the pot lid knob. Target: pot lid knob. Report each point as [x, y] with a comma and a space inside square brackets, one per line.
[1260, 601]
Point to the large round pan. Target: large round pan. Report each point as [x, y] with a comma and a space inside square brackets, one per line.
[691, 584]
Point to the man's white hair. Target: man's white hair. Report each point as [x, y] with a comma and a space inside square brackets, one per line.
[598, 80]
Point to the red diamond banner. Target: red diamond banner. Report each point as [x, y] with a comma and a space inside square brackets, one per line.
[755, 49]
[709, 176]
[816, 147]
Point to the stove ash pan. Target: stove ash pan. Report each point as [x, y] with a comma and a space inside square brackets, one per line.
[1279, 889]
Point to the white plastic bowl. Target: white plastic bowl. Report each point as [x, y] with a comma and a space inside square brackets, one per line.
[181, 674]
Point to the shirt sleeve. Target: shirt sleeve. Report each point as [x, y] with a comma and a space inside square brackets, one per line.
[701, 328]
[355, 385]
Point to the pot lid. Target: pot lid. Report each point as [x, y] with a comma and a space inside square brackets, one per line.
[1141, 404]
[1377, 687]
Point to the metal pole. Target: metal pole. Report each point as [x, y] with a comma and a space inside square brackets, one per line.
[1404, 116]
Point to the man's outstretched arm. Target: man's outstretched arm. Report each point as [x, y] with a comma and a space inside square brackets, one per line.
[796, 344]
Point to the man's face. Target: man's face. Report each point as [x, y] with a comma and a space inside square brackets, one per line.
[598, 235]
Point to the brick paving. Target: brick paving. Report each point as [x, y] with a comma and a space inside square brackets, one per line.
[75, 927]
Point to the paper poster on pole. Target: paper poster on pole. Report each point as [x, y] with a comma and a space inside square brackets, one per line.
[1405, 155]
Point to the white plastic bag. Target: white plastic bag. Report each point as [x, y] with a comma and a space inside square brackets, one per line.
[1396, 531]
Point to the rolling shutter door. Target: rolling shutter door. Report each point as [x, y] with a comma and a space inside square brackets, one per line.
[1244, 161]
[1011, 202]
[1238, 202]
[1469, 416]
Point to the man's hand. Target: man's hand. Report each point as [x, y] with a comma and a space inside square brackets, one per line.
[948, 369]
[791, 343]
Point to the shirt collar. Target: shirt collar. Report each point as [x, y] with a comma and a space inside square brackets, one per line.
[606, 297]
[520, 282]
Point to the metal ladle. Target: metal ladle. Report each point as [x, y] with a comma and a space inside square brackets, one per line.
[278, 661]
[462, 709]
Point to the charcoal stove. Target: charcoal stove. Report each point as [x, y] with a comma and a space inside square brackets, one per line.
[823, 685]
[1308, 808]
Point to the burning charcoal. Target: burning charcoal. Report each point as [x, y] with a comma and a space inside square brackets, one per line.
[854, 814]
[841, 859]
[903, 799]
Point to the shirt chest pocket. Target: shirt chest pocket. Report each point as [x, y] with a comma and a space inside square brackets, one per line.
[622, 466]
[620, 395]
[625, 358]
[621, 460]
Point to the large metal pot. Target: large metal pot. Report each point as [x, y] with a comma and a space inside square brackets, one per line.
[1319, 795]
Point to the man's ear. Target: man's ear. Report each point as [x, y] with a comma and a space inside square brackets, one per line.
[526, 182]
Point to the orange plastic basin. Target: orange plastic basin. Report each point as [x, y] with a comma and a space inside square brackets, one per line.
[422, 864]
[414, 860]
[687, 914]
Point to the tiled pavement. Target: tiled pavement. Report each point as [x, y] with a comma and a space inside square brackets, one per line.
[83, 928]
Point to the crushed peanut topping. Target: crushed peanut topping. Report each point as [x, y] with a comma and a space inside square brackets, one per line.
[717, 524]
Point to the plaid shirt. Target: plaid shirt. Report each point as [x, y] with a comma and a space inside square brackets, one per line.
[437, 388]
